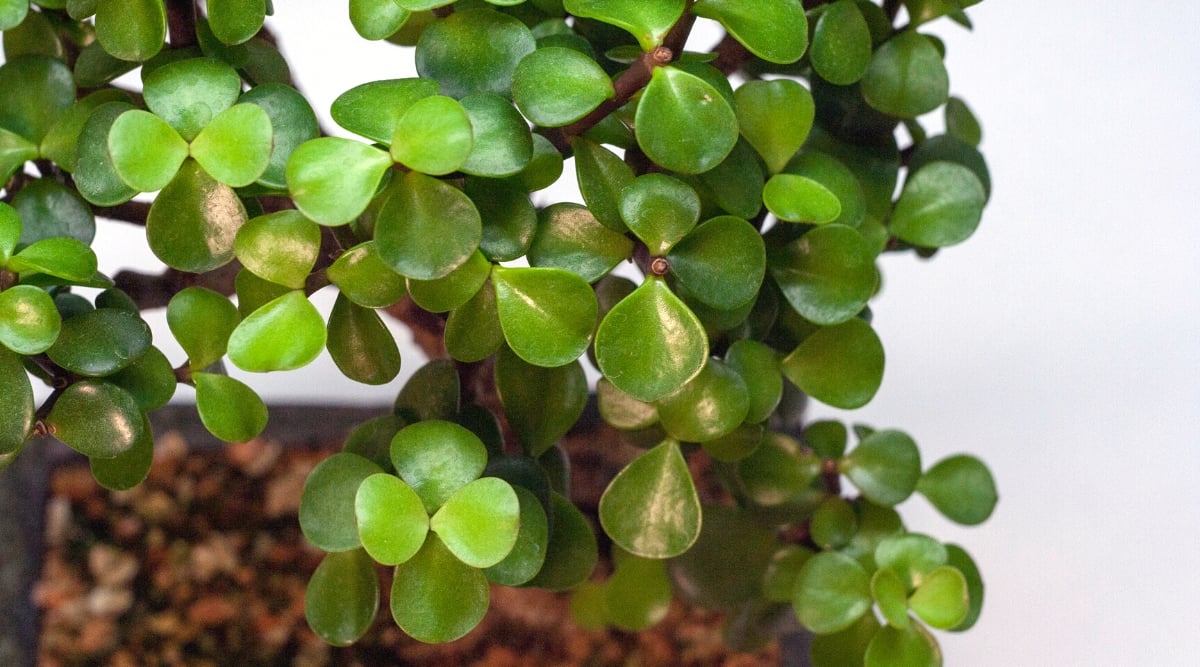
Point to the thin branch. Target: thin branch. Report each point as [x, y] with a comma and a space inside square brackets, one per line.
[133, 212]
[181, 23]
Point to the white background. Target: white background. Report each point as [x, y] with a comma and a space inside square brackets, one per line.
[1058, 343]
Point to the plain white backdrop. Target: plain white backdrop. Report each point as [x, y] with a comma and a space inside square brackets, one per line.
[1059, 343]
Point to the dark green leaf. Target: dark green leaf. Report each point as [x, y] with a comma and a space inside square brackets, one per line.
[846, 647]
[502, 142]
[427, 228]
[827, 275]
[100, 342]
[131, 29]
[360, 344]
[129, 468]
[961, 560]
[571, 552]
[557, 86]
[832, 592]
[705, 574]
[342, 597]
[683, 123]
[431, 393]
[436, 597]
[150, 380]
[543, 168]
[736, 183]
[332, 179]
[281, 247]
[735, 445]
[188, 94]
[774, 30]
[885, 467]
[509, 218]
[292, 123]
[648, 22]
[16, 403]
[826, 438]
[570, 237]
[235, 21]
[392, 522]
[601, 176]
[638, 594]
[473, 330]
[547, 314]
[194, 221]
[906, 76]
[437, 458]
[651, 508]
[362, 275]
[946, 148]
[95, 176]
[327, 512]
[228, 408]
[29, 322]
[10, 231]
[374, 109]
[48, 209]
[47, 89]
[840, 365]
[758, 365]
[775, 117]
[940, 206]
[777, 471]
[841, 48]
[721, 263]
[961, 122]
[833, 524]
[541, 404]
[473, 51]
[372, 439]
[529, 552]
[962, 489]
[97, 419]
[285, 334]
[711, 405]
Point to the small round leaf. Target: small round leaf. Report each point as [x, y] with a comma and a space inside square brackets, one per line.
[480, 522]
[529, 552]
[774, 30]
[941, 599]
[235, 147]
[960, 487]
[434, 136]
[547, 314]
[360, 344]
[281, 247]
[427, 228]
[392, 522]
[556, 86]
[775, 117]
[327, 504]
[194, 220]
[885, 467]
[651, 508]
[29, 321]
[711, 405]
[362, 275]
[660, 210]
[436, 597]
[437, 458]
[228, 408]
[145, 150]
[941, 205]
[571, 553]
[721, 263]
[332, 179]
[906, 76]
[97, 419]
[841, 47]
[473, 51]
[832, 592]
[284, 334]
[912, 646]
[342, 597]
[100, 342]
[683, 123]
[840, 365]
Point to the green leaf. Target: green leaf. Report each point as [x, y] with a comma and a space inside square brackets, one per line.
[833, 523]
[437, 458]
[235, 21]
[885, 467]
[846, 647]
[129, 468]
[194, 220]
[33, 33]
[97, 419]
[480, 522]
[841, 47]
[941, 205]
[431, 393]
[362, 275]
[547, 314]
[827, 438]
[95, 176]
[16, 403]
[473, 51]
[392, 522]
[48, 209]
[721, 263]
[660, 210]
[66, 258]
[444, 294]
[735, 185]
[638, 594]
[827, 275]
[360, 344]
[15, 151]
[228, 408]
[529, 552]
[332, 179]
[285, 334]
[96, 67]
[779, 580]
[649, 22]
[839, 365]
[188, 94]
[543, 168]
[601, 176]
[436, 597]
[683, 123]
[911, 647]
[960, 487]
[839, 180]
[372, 439]
[541, 404]
[650, 344]
[47, 90]
[100, 342]
[29, 322]
[758, 365]
[235, 147]
[941, 599]
[502, 144]
[735, 445]
[292, 123]
[799, 199]
[890, 592]
[774, 30]
[281, 247]
[651, 508]
[775, 117]
[131, 29]
[374, 109]
[832, 592]
[570, 237]
[433, 136]
[906, 76]
[571, 552]
[427, 228]
[556, 86]
[254, 292]
[711, 405]
[12, 13]
[961, 560]
[150, 380]
[508, 216]
[473, 330]
[912, 556]
[59, 144]
[946, 148]
[201, 320]
[961, 122]
[377, 19]
[730, 536]
[620, 410]
[327, 504]
[342, 597]
[777, 471]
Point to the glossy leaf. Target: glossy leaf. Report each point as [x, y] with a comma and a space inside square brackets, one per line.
[436, 597]
[543, 168]
[342, 597]
[362, 275]
[556, 86]
[377, 19]
[360, 344]
[228, 408]
[570, 237]
[651, 508]
[235, 147]
[721, 263]
[235, 21]
[735, 185]
[254, 292]
[431, 393]
[374, 109]
[480, 522]
[906, 76]
[827, 275]
[332, 180]
[547, 314]
[961, 560]
[774, 30]
[841, 47]
[946, 148]
[10, 231]
[502, 144]
[392, 522]
[433, 136]
[838, 179]
[427, 228]
[13, 13]
[146, 151]
[150, 380]
[437, 458]
[891, 594]
[758, 365]
[775, 117]
[601, 177]
[131, 29]
[832, 592]
[48, 209]
[473, 330]
[735, 445]
[941, 205]
[885, 467]
[292, 123]
[648, 22]
[281, 247]
[961, 122]
[372, 439]
[912, 556]
[66, 258]
[97, 419]
[840, 365]
[711, 405]
[660, 210]
[16, 403]
[777, 471]
[508, 215]
[129, 468]
[529, 552]
[100, 342]
[29, 322]
[15, 151]
[960, 487]
[194, 221]
[650, 344]
[541, 404]
[683, 123]
[473, 51]
[571, 553]
[285, 334]
[327, 504]
[47, 90]
[201, 320]
[799, 199]
[454, 289]
[188, 94]
[95, 176]
[910, 647]
[941, 599]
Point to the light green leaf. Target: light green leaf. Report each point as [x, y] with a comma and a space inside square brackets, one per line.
[12, 13]
[758, 364]
[620, 410]
[846, 647]
[131, 29]
[961, 560]
[840, 365]
[778, 471]
[444, 294]
[889, 591]
[651, 508]
[799, 199]
[427, 228]
[909, 647]
[912, 556]
[327, 504]
[16, 403]
[15, 151]
[648, 22]
[683, 123]
[433, 136]
[827, 275]
[601, 176]
[29, 322]
[201, 320]
[436, 597]
[774, 30]
[228, 408]
[129, 468]
[885, 467]
[61, 257]
[480, 522]
[547, 314]
[285, 334]
[832, 592]
[392, 522]
[529, 553]
[839, 180]
[96, 419]
[775, 117]
[960, 487]
[362, 275]
[47, 90]
[374, 109]
[188, 94]
[941, 599]
[194, 220]
[638, 594]
[236, 21]
[556, 86]
[906, 76]
[342, 597]
[941, 205]
[332, 179]
[235, 147]
[377, 19]
[281, 247]
[660, 210]
[502, 143]
[473, 330]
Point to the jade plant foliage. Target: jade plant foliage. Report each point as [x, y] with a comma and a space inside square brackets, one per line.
[736, 196]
